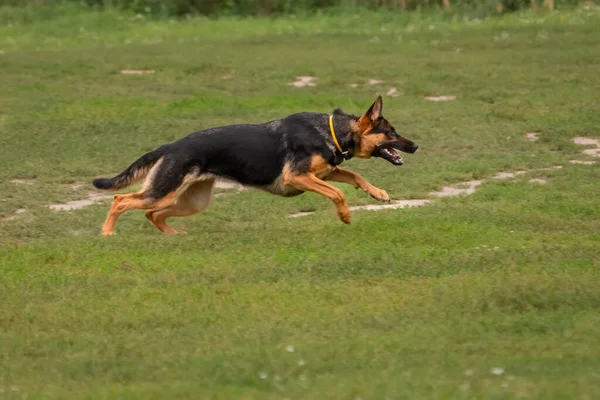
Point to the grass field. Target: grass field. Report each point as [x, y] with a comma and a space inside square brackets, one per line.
[491, 295]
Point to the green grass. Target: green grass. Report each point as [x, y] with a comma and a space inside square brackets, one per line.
[414, 303]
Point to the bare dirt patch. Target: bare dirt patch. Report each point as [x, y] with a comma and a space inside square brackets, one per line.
[507, 175]
[458, 189]
[92, 199]
[538, 180]
[584, 141]
[23, 181]
[137, 71]
[16, 215]
[532, 136]
[375, 81]
[393, 92]
[582, 162]
[440, 98]
[592, 152]
[301, 214]
[302, 81]
[392, 206]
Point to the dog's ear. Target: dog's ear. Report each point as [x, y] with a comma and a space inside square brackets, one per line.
[374, 112]
[366, 122]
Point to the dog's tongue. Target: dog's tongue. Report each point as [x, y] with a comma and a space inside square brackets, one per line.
[394, 156]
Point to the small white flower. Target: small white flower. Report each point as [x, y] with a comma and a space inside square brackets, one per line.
[263, 375]
[301, 362]
[289, 349]
[497, 371]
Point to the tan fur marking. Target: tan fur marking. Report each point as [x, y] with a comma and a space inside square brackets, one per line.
[368, 143]
[320, 167]
[150, 175]
[364, 125]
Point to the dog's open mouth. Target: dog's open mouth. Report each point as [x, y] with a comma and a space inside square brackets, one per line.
[388, 154]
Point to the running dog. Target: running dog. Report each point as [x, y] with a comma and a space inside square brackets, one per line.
[286, 157]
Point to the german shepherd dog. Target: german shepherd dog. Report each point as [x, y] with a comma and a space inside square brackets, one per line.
[285, 157]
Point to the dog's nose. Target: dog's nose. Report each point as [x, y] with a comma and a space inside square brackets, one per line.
[415, 147]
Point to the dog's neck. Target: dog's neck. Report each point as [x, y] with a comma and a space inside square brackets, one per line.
[344, 131]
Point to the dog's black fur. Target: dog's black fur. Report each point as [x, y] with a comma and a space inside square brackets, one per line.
[266, 156]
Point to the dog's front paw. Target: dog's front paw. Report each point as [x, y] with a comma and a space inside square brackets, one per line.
[345, 218]
[379, 194]
[344, 215]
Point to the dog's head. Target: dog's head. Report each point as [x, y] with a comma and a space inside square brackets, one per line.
[376, 137]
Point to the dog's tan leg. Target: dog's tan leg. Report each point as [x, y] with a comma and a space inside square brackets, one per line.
[195, 199]
[343, 175]
[311, 183]
[160, 223]
[124, 202]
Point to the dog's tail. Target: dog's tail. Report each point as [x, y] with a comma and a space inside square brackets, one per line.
[134, 173]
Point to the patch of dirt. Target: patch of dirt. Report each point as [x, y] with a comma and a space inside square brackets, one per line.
[353, 85]
[301, 214]
[375, 81]
[532, 136]
[302, 81]
[393, 205]
[18, 212]
[537, 180]
[582, 162]
[458, 189]
[375, 207]
[92, 199]
[592, 152]
[137, 71]
[583, 141]
[506, 175]
[440, 98]
[23, 181]
[393, 92]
